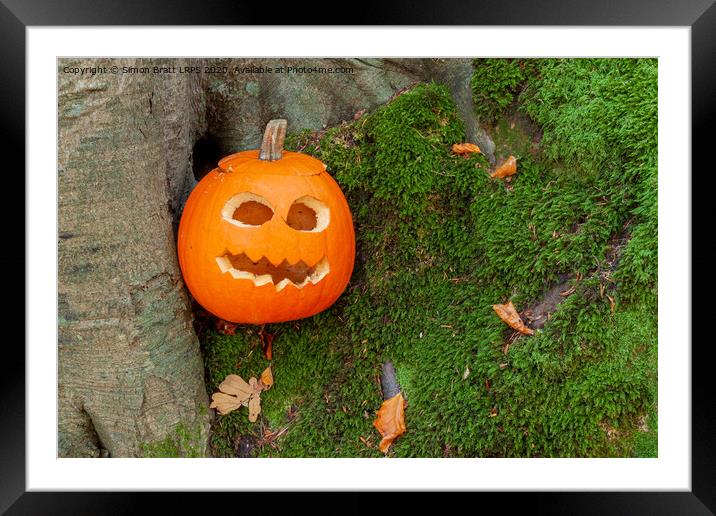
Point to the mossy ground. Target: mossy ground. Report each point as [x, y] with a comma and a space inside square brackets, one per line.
[439, 242]
[183, 443]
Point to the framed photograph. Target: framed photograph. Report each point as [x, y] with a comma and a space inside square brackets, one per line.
[446, 257]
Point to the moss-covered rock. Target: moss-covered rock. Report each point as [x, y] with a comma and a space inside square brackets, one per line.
[439, 242]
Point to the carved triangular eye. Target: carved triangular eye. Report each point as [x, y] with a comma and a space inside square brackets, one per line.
[247, 210]
[308, 214]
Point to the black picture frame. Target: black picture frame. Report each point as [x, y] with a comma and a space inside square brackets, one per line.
[699, 15]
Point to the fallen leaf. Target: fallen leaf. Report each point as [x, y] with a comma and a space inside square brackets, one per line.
[612, 303]
[507, 168]
[466, 373]
[254, 407]
[509, 314]
[390, 421]
[463, 149]
[234, 393]
[266, 343]
[267, 378]
[235, 385]
[225, 403]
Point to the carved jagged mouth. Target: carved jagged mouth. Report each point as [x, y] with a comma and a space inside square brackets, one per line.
[263, 272]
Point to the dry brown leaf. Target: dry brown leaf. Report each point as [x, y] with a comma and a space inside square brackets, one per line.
[509, 314]
[225, 403]
[266, 343]
[390, 420]
[267, 378]
[234, 393]
[234, 384]
[464, 149]
[508, 168]
[254, 407]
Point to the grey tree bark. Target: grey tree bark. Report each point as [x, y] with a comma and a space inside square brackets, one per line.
[239, 105]
[130, 368]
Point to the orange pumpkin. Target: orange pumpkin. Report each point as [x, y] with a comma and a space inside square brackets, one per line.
[267, 236]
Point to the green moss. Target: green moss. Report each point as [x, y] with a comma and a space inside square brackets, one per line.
[600, 118]
[515, 136]
[495, 84]
[646, 439]
[184, 443]
[438, 243]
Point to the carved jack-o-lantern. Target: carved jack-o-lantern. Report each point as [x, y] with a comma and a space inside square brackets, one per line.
[267, 236]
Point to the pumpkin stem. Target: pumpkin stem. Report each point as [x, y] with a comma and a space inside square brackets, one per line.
[274, 136]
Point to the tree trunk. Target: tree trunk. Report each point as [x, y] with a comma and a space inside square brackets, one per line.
[130, 369]
[240, 104]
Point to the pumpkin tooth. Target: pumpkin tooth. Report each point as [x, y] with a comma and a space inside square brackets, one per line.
[282, 284]
[319, 271]
[231, 250]
[224, 263]
[256, 257]
[239, 274]
[263, 272]
[263, 280]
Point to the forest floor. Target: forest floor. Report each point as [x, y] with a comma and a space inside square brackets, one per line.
[570, 240]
